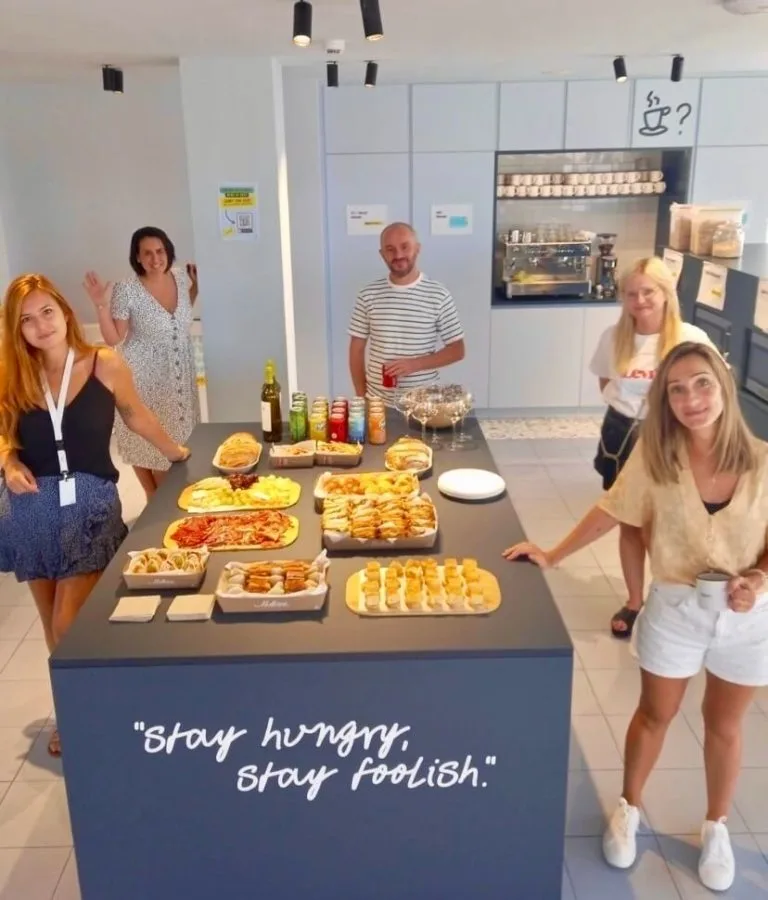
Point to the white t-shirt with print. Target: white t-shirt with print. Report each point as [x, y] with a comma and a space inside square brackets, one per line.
[627, 393]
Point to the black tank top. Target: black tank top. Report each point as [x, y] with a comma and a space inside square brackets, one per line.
[87, 430]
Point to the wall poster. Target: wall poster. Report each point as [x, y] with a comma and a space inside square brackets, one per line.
[238, 212]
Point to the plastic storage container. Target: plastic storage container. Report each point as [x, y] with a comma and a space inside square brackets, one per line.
[691, 227]
[728, 240]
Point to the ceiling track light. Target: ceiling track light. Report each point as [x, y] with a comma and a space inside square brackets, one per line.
[332, 74]
[112, 79]
[302, 23]
[371, 72]
[620, 69]
[372, 26]
[677, 68]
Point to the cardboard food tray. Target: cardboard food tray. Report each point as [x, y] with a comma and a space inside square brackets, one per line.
[334, 540]
[280, 460]
[356, 601]
[320, 495]
[185, 500]
[238, 470]
[288, 538]
[164, 580]
[339, 460]
[303, 601]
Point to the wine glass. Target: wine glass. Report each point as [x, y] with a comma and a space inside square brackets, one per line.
[423, 410]
[455, 409]
[404, 403]
[467, 402]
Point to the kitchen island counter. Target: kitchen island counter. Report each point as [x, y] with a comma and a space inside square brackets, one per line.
[278, 754]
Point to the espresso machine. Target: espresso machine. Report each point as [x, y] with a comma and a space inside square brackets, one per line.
[605, 268]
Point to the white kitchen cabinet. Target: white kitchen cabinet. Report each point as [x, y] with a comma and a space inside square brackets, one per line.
[532, 115]
[596, 320]
[460, 261]
[359, 120]
[536, 357]
[734, 112]
[455, 117]
[354, 261]
[597, 115]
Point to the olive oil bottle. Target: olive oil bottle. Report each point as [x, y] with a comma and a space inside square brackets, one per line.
[271, 416]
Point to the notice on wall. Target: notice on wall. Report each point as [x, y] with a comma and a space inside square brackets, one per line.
[674, 261]
[360, 756]
[366, 219]
[452, 219]
[761, 307]
[712, 286]
[238, 212]
[666, 113]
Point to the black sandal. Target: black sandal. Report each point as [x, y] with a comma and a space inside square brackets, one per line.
[625, 616]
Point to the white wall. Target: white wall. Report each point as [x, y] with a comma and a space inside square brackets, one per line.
[80, 170]
[305, 153]
[234, 127]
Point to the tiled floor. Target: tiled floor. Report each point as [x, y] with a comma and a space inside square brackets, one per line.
[551, 482]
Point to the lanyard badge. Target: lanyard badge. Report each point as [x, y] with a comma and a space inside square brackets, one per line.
[67, 496]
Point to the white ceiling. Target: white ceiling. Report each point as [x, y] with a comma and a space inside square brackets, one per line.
[425, 40]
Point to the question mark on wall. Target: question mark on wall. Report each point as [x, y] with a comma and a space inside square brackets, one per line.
[684, 110]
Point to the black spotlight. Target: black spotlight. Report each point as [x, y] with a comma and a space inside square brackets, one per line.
[620, 69]
[677, 68]
[112, 79]
[332, 74]
[302, 23]
[372, 26]
[371, 71]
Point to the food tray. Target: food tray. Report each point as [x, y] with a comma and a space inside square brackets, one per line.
[279, 459]
[302, 601]
[236, 470]
[186, 501]
[163, 580]
[419, 473]
[320, 493]
[339, 460]
[334, 540]
[288, 537]
[356, 601]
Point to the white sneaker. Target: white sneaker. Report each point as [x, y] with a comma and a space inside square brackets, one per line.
[717, 867]
[620, 838]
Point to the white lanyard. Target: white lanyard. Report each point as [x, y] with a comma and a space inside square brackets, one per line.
[57, 411]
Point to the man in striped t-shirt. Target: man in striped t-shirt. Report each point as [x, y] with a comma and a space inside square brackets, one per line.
[402, 319]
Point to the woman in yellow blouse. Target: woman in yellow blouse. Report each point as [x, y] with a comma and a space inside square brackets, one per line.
[697, 484]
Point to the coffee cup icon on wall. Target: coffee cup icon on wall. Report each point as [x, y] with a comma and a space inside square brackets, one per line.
[654, 116]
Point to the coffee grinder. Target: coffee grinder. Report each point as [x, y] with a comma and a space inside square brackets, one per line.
[605, 268]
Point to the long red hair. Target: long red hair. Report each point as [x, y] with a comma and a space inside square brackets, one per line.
[20, 389]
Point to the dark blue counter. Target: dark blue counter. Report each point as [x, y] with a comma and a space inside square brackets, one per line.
[434, 752]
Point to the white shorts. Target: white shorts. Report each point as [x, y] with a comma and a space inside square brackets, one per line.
[674, 638]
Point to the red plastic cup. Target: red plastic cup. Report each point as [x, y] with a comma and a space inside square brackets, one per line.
[388, 381]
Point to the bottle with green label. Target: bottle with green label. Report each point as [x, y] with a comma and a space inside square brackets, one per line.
[271, 416]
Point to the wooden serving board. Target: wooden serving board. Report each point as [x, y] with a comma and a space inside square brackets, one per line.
[187, 503]
[288, 538]
[356, 601]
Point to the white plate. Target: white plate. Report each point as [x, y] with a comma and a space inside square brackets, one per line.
[471, 484]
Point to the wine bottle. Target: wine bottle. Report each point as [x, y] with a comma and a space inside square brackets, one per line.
[271, 415]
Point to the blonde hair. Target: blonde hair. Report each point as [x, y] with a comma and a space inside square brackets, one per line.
[20, 389]
[663, 435]
[671, 329]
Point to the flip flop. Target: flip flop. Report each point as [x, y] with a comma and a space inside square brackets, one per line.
[627, 617]
[54, 744]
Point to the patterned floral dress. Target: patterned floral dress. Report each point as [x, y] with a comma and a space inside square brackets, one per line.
[158, 349]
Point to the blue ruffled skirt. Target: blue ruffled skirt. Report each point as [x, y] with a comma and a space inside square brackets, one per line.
[41, 539]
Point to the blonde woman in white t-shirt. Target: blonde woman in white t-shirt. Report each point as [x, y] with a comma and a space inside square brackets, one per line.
[696, 485]
[625, 362]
